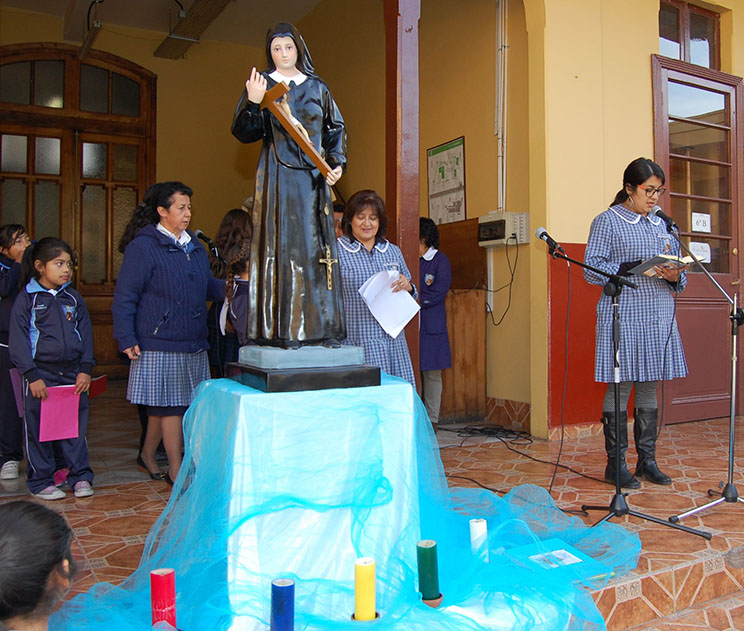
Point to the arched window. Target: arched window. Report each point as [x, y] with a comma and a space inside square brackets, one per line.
[77, 150]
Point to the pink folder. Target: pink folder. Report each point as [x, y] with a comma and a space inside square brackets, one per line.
[59, 414]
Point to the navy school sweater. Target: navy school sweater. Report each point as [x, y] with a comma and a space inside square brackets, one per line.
[160, 300]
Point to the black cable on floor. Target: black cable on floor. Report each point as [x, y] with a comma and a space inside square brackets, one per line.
[501, 433]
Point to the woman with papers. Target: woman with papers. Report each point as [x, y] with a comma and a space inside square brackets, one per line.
[379, 298]
[621, 237]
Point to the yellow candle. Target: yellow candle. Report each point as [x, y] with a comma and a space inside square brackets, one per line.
[364, 589]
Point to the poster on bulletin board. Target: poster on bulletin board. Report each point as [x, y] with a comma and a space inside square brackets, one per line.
[445, 170]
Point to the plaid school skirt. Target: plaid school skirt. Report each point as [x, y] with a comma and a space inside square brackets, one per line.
[163, 379]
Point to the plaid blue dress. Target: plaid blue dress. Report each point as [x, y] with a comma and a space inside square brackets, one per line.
[357, 265]
[650, 345]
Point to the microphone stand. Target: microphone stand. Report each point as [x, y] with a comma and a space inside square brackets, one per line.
[618, 505]
[729, 493]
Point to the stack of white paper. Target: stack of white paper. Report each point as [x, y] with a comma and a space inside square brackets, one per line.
[392, 310]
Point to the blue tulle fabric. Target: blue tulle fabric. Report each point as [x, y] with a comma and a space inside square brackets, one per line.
[299, 485]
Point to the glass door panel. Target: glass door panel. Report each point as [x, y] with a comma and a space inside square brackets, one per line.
[688, 101]
[125, 200]
[713, 253]
[93, 261]
[46, 209]
[694, 178]
[48, 155]
[698, 141]
[14, 153]
[696, 215]
[700, 159]
[13, 200]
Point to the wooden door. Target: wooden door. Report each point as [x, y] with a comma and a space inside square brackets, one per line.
[77, 149]
[699, 145]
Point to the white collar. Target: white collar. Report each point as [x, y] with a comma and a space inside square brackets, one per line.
[430, 254]
[299, 78]
[630, 217]
[354, 246]
[182, 240]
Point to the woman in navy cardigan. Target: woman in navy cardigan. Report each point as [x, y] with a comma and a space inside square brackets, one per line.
[434, 350]
[160, 316]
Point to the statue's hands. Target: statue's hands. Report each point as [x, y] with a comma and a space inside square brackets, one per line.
[256, 86]
[334, 176]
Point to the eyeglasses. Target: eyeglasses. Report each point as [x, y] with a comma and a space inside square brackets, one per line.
[651, 190]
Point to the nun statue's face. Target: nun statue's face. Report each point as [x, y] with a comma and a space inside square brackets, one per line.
[284, 55]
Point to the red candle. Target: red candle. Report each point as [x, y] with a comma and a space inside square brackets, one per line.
[163, 596]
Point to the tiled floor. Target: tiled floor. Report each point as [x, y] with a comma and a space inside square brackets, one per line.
[677, 571]
[682, 581]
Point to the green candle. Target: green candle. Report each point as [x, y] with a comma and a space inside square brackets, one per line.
[426, 553]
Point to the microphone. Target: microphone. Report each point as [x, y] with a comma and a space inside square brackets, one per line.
[670, 224]
[542, 233]
[210, 244]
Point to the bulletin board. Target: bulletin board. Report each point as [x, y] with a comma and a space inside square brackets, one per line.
[445, 168]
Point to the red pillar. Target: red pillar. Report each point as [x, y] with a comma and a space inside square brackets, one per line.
[402, 139]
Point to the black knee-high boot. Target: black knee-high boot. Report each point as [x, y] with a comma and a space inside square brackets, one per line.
[644, 432]
[626, 478]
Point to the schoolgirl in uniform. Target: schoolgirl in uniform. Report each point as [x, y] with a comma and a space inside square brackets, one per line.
[13, 242]
[51, 344]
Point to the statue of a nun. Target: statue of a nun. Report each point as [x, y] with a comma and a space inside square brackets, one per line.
[292, 298]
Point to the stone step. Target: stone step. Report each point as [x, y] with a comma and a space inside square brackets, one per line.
[722, 614]
[677, 590]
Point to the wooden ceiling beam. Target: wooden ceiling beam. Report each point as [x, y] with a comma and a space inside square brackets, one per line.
[188, 31]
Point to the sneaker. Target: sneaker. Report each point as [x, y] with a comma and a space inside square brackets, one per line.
[9, 470]
[83, 489]
[50, 493]
[60, 476]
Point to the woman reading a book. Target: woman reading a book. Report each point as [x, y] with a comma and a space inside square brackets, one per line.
[620, 239]
[363, 252]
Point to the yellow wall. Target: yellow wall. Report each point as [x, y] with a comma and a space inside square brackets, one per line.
[458, 86]
[349, 54]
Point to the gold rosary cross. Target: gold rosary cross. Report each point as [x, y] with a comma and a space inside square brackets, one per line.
[328, 262]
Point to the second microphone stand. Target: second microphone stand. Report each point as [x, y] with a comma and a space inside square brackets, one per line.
[618, 506]
[728, 494]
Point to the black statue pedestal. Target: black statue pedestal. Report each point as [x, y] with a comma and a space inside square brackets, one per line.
[272, 369]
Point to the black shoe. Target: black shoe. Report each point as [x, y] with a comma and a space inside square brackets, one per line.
[153, 476]
[167, 478]
[627, 480]
[644, 432]
[291, 344]
[650, 470]
[332, 342]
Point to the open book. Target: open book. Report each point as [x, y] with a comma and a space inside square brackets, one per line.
[664, 260]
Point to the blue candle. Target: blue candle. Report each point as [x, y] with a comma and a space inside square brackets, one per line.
[282, 604]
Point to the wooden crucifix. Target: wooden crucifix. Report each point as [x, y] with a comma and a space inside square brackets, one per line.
[270, 101]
